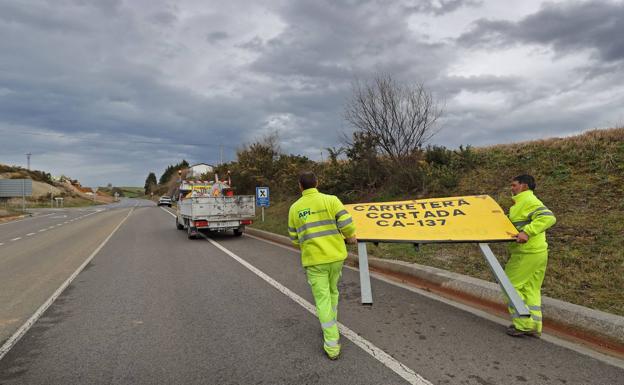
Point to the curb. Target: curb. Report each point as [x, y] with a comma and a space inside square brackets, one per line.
[595, 326]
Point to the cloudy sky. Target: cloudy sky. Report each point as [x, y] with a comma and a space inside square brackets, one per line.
[108, 90]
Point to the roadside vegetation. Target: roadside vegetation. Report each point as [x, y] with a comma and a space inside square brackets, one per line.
[580, 178]
[389, 157]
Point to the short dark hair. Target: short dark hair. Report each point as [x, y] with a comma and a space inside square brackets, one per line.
[526, 179]
[307, 179]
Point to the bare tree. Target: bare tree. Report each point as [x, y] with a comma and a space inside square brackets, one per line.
[401, 118]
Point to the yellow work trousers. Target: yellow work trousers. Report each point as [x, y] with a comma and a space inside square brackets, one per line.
[323, 280]
[526, 272]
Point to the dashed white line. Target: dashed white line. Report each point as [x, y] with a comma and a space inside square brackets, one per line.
[4, 349]
[1, 243]
[16, 239]
[30, 234]
[42, 230]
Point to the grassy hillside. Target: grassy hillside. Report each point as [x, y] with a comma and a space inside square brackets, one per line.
[580, 178]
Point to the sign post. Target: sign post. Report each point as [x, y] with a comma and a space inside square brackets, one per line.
[262, 198]
[469, 219]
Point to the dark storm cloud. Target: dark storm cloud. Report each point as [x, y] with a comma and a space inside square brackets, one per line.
[332, 40]
[567, 27]
[134, 86]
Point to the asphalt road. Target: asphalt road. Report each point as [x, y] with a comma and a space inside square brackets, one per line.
[155, 307]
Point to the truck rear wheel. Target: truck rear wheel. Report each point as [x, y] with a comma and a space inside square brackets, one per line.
[178, 225]
[238, 232]
[190, 233]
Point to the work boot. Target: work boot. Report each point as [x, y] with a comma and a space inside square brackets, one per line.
[512, 331]
[333, 358]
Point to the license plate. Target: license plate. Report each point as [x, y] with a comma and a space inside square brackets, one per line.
[224, 224]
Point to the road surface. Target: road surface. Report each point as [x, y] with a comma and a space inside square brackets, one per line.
[155, 307]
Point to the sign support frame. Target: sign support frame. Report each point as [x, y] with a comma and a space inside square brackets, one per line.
[502, 279]
[504, 282]
[365, 283]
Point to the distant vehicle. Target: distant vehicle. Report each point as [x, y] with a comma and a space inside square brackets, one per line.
[212, 206]
[164, 201]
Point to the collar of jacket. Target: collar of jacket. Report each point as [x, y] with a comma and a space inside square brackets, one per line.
[522, 196]
[309, 191]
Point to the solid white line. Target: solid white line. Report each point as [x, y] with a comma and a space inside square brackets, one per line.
[31, 321]
[479, 313]
[405, 372]
[16, 239]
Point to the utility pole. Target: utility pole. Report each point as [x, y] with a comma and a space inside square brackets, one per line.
[220, 154]
[28, 160]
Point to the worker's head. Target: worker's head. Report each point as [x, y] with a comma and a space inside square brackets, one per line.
[522, 183]
[307, 179]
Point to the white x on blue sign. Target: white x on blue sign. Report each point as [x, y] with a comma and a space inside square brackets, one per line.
[262, 196]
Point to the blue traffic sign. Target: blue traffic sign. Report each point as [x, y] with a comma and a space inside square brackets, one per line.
[262, 196]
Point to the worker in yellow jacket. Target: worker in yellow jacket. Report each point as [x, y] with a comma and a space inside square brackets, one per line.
[529, 254]
[319, 225]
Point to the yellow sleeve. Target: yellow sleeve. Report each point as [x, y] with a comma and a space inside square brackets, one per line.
[344, 221]
[541, 220]
[292, 229]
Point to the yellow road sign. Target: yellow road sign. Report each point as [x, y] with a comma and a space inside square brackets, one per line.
[457, 219]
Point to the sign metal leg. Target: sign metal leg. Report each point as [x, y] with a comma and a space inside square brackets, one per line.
[504, 282]
[365, 285]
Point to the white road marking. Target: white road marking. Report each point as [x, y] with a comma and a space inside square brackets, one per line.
[31, 321]
[30, 234]
[42, 230]
[479, 313]
[24, 219]
[1, 243]
[16, 239]
[405, 372]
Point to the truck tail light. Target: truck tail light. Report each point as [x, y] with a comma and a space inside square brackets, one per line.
[201, 223]
[246, 222]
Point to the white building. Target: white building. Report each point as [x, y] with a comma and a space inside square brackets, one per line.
[199, 169]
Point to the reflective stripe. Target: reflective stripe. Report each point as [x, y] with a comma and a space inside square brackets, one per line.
[535, 308]
[315, 224]
[341, 213]
[347, 221]
[329, 324]
[319, 234]
[292, 229]
[536, 318]
[521, 223]
[331, 344]
[541, 208]
[293, 237]
[545, 214]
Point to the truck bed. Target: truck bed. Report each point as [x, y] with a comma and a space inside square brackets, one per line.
[218, 208]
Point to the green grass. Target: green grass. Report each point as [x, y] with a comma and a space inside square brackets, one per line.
[133, 192]
[581, 179]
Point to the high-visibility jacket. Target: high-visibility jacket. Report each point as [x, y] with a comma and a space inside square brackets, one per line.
[530, 215]
[317, 223]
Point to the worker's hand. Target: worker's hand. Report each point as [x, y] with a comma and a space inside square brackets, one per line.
[522, 237]
[351, 240]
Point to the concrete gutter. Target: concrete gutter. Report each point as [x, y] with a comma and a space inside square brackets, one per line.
[598, 328]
